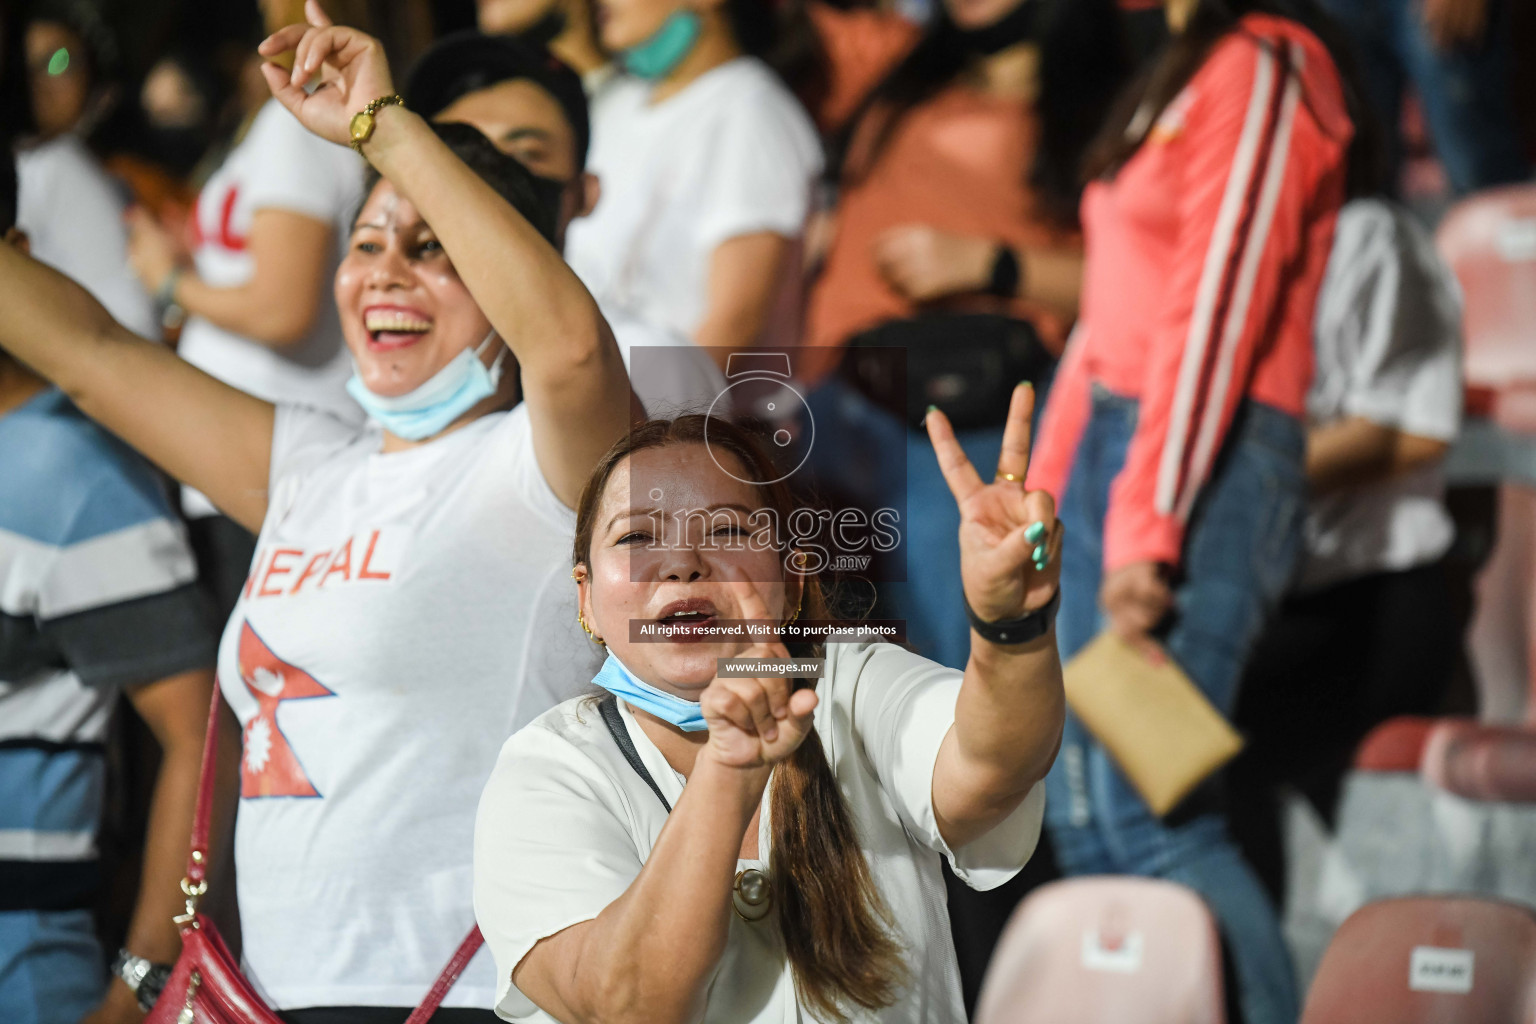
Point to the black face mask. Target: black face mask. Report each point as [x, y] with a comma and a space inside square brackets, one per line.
[176, 149]
[542, 32]
[551, 195]
[1022, 24]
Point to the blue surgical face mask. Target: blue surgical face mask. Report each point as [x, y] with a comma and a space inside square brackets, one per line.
[666, 47]
[620, 681]
[445, 396]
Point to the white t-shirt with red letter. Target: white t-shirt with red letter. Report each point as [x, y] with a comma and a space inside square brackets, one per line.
[405, 613]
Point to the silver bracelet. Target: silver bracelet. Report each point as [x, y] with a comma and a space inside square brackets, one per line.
[165, 295]
[144, 978]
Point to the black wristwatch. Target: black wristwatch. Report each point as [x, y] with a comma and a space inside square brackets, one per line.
[1016, 631]
[145, 978]
[1004, 281]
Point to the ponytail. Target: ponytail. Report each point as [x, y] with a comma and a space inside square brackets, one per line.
[838, 933]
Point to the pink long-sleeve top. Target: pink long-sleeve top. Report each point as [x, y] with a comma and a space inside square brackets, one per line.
[1205, 253]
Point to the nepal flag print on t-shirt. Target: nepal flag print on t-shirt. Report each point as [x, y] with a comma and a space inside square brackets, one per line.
[269, 766]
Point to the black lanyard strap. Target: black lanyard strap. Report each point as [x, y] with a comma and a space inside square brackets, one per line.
[608, 707]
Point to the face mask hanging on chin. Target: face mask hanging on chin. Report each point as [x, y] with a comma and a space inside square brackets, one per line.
[665, 49]
[439, 400]
[618, 680]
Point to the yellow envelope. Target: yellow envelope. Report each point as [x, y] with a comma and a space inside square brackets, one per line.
[1157, 725]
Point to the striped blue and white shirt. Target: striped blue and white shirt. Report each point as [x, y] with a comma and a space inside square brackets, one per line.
[97, 592]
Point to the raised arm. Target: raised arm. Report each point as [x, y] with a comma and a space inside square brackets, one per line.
[573, 377]
[200, 430]
[1009, 715]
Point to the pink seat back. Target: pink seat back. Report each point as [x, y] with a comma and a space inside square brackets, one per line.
[1106, 950]
[1395, 745]
[1429, 960]
[1489, 241]
[1482, 762]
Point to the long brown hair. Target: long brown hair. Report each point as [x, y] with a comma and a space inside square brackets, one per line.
[838, 933]
[1144, 100]
[1083, 66]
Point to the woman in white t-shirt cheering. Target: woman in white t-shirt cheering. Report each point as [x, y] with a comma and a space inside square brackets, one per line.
[799, 867]
[408, 605]
[707, 162]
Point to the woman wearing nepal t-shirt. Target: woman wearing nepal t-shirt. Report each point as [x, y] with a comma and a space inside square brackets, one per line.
[779, 857]
[706, 161]
[408, 607]
[955, 152]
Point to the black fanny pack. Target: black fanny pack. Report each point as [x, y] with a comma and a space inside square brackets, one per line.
[967, 364]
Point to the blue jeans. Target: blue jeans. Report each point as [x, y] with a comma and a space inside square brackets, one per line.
[1243, 540]
[932, 601]
[51, 967]
[1465, 91]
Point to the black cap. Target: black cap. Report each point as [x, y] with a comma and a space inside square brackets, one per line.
[467, 62]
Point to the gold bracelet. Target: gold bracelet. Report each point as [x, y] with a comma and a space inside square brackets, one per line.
[360, 130]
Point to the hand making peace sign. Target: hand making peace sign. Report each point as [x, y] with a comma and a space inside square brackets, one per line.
[1010, 539]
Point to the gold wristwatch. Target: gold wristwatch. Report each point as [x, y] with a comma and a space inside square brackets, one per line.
[361, 127]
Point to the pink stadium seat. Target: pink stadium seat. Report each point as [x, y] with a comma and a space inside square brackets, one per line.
[1106, 950]
[1489, 241]
[1395, 745]
[1482, 762]
[1429, 960]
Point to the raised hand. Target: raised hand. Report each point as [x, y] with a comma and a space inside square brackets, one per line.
[352, 68]
[754, 722]
[1010, 540]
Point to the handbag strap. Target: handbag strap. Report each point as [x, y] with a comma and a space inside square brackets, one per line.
[445, 980]
[197, 857]
[608, 707]
[196, 882]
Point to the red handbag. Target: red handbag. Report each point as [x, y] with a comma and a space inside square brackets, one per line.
[206, 986]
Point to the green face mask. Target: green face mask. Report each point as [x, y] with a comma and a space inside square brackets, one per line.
[666, 48]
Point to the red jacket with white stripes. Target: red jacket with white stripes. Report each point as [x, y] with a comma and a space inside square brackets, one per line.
[1204, 257]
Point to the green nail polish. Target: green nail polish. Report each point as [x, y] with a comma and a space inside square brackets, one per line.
[1039, 555]
[1026, 384]
[1034, 532]
[933, 408]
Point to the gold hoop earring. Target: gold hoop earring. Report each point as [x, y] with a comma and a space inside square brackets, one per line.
[798, 562]
[799, 604]
[597, 639]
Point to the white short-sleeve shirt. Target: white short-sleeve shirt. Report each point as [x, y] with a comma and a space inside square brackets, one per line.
[404, 614]
[732, 154]
[1388, 345]
[72, 211]
[565, 825]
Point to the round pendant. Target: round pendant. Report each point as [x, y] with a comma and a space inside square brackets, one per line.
[752, 895]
